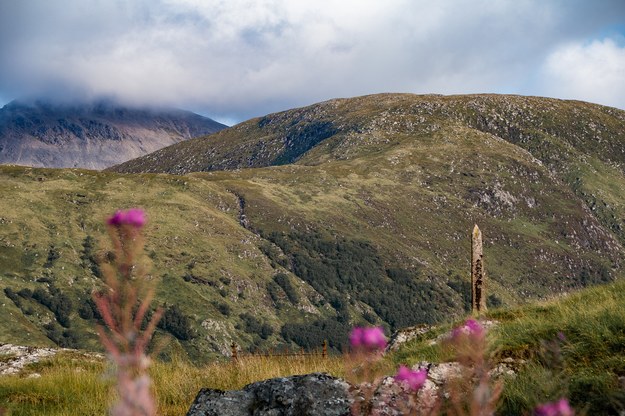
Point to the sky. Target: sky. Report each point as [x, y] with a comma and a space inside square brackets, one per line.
[237, 59]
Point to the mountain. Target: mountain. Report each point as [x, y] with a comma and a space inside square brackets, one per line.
[93, 136]
[291, 228]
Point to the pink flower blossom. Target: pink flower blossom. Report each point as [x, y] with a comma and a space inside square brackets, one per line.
[116, 219]
[355, 337]
[368, 338]
[559, 408]
[413, 379]
[134, 217]
[471, 328]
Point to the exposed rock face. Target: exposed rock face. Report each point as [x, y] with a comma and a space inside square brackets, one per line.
[305, 395]
[92, 136]
[14, 357]
[404, 335]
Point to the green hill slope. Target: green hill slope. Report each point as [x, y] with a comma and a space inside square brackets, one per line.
[567, 347]
[370, 222]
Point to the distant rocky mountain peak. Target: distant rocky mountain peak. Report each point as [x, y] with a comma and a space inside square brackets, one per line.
[94, 135]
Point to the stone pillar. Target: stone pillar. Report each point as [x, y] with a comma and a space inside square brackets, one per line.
[478, 273]
[235, 353]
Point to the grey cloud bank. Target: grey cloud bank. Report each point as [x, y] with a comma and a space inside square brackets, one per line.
[235, 59]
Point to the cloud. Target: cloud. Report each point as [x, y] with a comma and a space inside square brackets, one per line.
[241, 58]
[595, 71]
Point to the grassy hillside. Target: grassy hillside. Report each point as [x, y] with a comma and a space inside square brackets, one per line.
[204, 262]
[579, 143]
[568, 347]
[370, 223]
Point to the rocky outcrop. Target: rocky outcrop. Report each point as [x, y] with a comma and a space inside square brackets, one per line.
[315, 394]
[321, 394]
[13, 358]
[404, 335]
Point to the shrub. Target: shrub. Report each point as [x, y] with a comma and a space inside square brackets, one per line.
[311, 335]
[10, 293]
[176, 323]
[89, 257]
[251, 324]
[63, 338]
[274, 292]
[265, 331]
[283, 281]
[89, 310]
[57, 302]
[25, 293]
[333, 266]
[224, 309]
[53, 256]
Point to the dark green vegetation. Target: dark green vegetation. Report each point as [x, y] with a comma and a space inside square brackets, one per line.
[369, 222]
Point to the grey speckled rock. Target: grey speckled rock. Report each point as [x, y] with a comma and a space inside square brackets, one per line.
[314, 394]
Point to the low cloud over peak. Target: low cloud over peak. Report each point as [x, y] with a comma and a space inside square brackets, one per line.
[236, 59]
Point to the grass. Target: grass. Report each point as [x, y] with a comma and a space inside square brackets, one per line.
[69, 387]
[66, 387]
[570, 346]
[408, 175]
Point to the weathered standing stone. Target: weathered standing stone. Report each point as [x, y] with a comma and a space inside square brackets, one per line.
[478, 273]
[314, 394]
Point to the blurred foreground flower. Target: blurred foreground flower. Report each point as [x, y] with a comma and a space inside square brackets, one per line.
[370, 339]
[470, 347]
[134, 217]
[471, 328]
[123, 305]
[411, 378]
[559, 408]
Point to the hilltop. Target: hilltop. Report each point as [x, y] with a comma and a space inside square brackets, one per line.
[94, 136]
[291, 228]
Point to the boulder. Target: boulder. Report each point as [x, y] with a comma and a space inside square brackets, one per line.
[315, 394]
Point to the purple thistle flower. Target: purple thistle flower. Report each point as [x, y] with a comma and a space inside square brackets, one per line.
[368, 338]
[413, 379]
[116, 219]
[374, 338]
[471, 328]
[134, 217]
[559, 408]
[355, 337]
